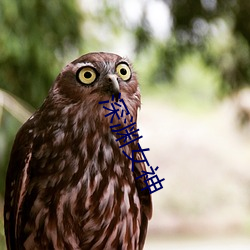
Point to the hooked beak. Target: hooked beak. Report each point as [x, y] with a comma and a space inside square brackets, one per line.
[112, 79]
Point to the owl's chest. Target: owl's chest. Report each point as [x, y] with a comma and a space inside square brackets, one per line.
[111, 216]
[111, 207]
[89, 191]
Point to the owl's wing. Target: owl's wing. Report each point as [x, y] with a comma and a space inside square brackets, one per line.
[16, 182]
[145, 199]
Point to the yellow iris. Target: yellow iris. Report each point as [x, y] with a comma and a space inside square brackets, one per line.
[87, 75]
[123, 71]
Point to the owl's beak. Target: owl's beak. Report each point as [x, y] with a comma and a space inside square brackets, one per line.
[114, 85]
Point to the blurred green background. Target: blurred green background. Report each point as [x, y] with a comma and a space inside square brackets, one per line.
[192, 60]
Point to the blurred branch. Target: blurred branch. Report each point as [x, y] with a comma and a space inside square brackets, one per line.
[14, 107]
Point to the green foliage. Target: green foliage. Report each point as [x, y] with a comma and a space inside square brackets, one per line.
[218, 30]
[231, 56]
[197, 24]
[34, 37]
[194, 85]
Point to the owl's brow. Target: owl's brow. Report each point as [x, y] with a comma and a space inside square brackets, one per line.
[83, 64]
[76, 66]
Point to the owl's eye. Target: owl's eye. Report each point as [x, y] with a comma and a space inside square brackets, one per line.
[123, 71]
[86, 75]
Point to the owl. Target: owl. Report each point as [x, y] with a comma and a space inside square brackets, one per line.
[68, 184]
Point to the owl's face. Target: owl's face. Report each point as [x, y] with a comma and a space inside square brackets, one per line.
[97, 76]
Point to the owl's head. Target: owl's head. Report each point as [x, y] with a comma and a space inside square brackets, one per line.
[97, 76]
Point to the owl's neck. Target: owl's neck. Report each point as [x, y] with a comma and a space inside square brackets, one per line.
[88, 135]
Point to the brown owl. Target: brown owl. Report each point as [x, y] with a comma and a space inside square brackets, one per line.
[68, 185]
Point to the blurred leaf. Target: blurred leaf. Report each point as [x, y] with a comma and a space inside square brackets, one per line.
[14, 107]
[13, 114]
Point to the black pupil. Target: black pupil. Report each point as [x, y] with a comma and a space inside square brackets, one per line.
[87, 75]
[123, 71]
